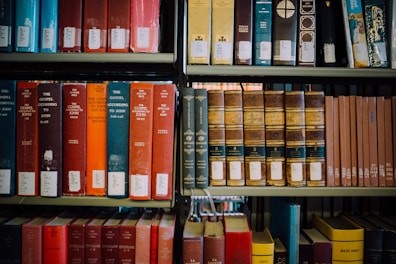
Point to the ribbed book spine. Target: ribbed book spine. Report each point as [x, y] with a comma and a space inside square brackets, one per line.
[188, 137]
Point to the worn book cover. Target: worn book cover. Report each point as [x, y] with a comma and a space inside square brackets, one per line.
[193, 242]
[166, 238]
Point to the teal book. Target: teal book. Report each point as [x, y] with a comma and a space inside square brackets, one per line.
[6, 25]
[118, 107]
[49, 26]
[262, 34]
[7, 137]
[27, 27]
[188, 138]
[285, 224]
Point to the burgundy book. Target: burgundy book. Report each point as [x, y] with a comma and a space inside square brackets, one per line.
[93, 238]
[193, 242]
[243, 32]
[214, 242]
[119, 26]
[70, 25]
[77, 240]
[95, 25]
[50, 139]
[27, 139]
[127, 239]
[74, 138]
[110, 238]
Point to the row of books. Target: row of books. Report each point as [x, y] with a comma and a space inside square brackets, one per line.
[99, 139]
[238, 137]
[51, 26]
[292, 33]
[106, 237]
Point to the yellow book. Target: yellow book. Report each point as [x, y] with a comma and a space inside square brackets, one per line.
[222, 32]
[199, 25]
[262, 247]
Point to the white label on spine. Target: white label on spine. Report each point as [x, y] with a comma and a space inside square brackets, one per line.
[217, 170]
[118, 37]
[255, 170]
[235, 170]
[139, 185]
[3, 36]
[94, 38]
[329, 53]
[285, 50]
[296, 171]
[98, 178]
[5, 181]
[276, 170]
[315, 171]
[307, 52]
[162, 184]
[265, 50]
[223, 51]
[69, 37]
[199, 49]
[74, 181]
[48, 38]
[245, 50]
[23, 37]
[143, 37]
[116, 183]
[26, 183]
[48, 183]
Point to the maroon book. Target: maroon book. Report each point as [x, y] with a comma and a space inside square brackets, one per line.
[243, 32]
[70, 25]
[93, 239]
[27, 139]
[193, 242]
[74, 137]
[119, 26]
[95, 25]
[126, 239]
[110, 238]
[77, 240]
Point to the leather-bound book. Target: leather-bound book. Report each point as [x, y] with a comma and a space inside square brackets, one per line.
[193, 242]
[243, 32]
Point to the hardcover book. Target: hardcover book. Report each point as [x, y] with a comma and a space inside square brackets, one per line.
[336, 124]
[307, 33]
[238, 239]
[280, 252]
[366, 142]
[96, 139]
[263, 247]
[119, 26]
[95, 25]
[27, 27]
[27, 170]
[93, 238]
[329, 132]
[49, 26]
[306, 249]
[199, 31]
[154, 236]
[143, 237]
[373, 143]
[262, 34]
[163, 140]
[7, 25]
[70, 25]
[214, 242]
[127, 238]
[193, 242]
[393, 36]
[353, 126]
[389, 181]
[50, 138]
[7, 137]
[381, 140]
[76, 239]
[74, 138]
[359, 140]
[118, 111]
[140, 140]
[345, 141]
[110, 238]
[145, 26]
[166, 238]
[243, 32]
[327, 41]
[321, 245]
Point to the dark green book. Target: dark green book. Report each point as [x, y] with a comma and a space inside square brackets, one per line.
[188, 138]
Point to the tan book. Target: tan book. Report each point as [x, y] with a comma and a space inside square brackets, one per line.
[359, 140]
[222, 32]
[381, 141]
[345, 143]
[353, 133]
[337, 165]
[388, 143]
[366, 149]
[329, 131]
[373, 145]
[199, 31]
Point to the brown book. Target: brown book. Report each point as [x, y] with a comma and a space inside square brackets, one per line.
[243, 32]
[110, 239]
[166, 238]
[233, 107]
[93, 238]
[77, 240]
[366, 148]
[70, 25]
[119, 25]
[193, 242]
[359, 140]
[336, 124]
[216, 138]
[345, 148]
[329, 127]
[307, 33]
[214, 242]
[143, 237]
[127, 238]
[95, 25]
[388, 143]
[353, 126]
[74, 138]
[373, 144]
[254, 137]
[381, 140]
[281, 255]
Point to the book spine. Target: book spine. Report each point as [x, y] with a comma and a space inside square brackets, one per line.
[329, 140]
[140, 140]
[55, 244]
[366, 139]
[126, 244]
[32, 244]
[233, 117]
[201, 138]
[74, 138]
[307, 33]
[214, 249]
[216, 138]
[95, 25]
[49, 26]
[295, 139]
[109, 244]
[7, 137]
[254, 137]
[262, 34]
[388, 143]
[76, 243]
[199, 31]
[315, 138]
[27, 139]
[27, 34]
[353, 125]
[393, 36]
[243, 32]
[193, 251]
[373, 144]
[163, 140]
[275, 141]
[222, 32]
[381, 141]
[70, 25]
[118, 99]
[50, 139]
[143, 238]
[284, 32]
[359, 141]
[345, 135]
[7, 25]
[96, 164]
[337, 161]
[118, 30]
[188, 137]
[145, 26]
[93, 243]
[166, 238]
[327, 37]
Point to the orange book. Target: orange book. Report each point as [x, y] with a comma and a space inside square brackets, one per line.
[353, 126]
[345, 148]
[166, 234]
[329, 132]
[366, 150]
[143, 237]
[389, 143]
[337, 165]
[163, 140]
[381, 141]
[145, 26]
[140, 140]
[373, 145]
[96, 139]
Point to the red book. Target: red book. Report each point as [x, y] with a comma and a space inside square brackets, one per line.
[27, 139]
[238, 239]
[56, 240]
[95, 25]
[119, 26]
[345, 148]
[70, 25]
[77, 240]
[93, 239]
[143, 237]
[163, 140]
[110, 238]
[166, 234]
[74, 138]
[140, 140]
[145, 26]
[154, 238]
[127, 239]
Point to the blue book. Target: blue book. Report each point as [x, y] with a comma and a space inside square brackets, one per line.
[285, 225]
[262, 34]
[7, 137]
[49, 26]
[6, 25]
[118, 105]
[27, 14]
